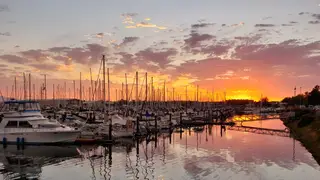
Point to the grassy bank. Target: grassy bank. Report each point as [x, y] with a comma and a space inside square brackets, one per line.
[305, 127]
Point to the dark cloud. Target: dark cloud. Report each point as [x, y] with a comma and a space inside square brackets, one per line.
[317, 16]
[286, 24]
[96, 51]
[16, 46]
[206, 68]
[46, 66]
[3, 65]
[223, 25]
[289, 52]
[264, 25]
[249, 39]
[303, 13]
[88, 55]
[259, 64]
[314, 22]
[129, 14]
[128, 40]
[4, 8]
[58, 49]
[212, 50]
[195, 39]
[127, 61]
[14, 59]
[5, 34]
[38, 55]
[149, 59]
[201, 25]
[161, 58]
[163, 43]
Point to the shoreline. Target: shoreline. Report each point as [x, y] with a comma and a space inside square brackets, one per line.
[308, 135]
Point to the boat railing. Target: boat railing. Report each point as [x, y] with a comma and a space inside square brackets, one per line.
[22, 130]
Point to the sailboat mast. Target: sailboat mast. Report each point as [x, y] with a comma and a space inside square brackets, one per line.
[146, 86]
[173, 94]
[104, 86]
[109, 97]
[152, 90]
[74, 89]
[126, 88]
[65, 90]
[186, 98]
[34, 92]
[15, 87]
[24, 87]
[121, 91]
[197, 93]
[29, 86]
[80, 91]
[137, 88]
[164, 91]
[91, 92]
[53, 91]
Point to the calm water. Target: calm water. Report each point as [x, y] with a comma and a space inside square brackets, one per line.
[203, 155]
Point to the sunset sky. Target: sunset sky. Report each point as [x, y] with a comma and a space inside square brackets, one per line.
[242, 47]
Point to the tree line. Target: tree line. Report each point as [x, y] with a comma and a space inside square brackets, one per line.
[308, 98]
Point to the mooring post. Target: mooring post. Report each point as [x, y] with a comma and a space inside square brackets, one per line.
[156, 140]
[137, 126]
[138, 146]
[110, 154]
[170, 122]
[110, 129]
[156, 123]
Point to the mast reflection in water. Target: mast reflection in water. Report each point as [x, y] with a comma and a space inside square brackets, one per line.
[211, 152]
[27, 162]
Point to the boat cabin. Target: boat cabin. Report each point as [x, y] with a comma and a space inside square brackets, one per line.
[20, 106]
[24, 114]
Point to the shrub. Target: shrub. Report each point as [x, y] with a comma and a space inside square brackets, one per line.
[306, 120]
[301, 112]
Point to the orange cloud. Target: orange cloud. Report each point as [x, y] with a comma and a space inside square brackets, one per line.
[65, 68]
[146, 25]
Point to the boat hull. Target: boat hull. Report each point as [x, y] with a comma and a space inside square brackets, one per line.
[40, 137]
[123, 134]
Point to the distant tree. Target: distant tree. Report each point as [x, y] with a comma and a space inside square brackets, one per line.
[239, 101]
[314, 96]
[264, 101]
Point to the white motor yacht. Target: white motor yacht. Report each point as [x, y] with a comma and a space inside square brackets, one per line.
[22, 122]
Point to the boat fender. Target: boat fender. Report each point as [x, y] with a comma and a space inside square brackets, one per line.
[18, 140]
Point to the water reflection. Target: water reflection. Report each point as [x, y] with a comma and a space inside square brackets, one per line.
[27, 162]
[209, 153]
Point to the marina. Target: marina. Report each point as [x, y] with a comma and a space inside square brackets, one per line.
[202, 154]
[159, 90]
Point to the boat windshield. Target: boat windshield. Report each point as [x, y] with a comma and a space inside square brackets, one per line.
[18, 106]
